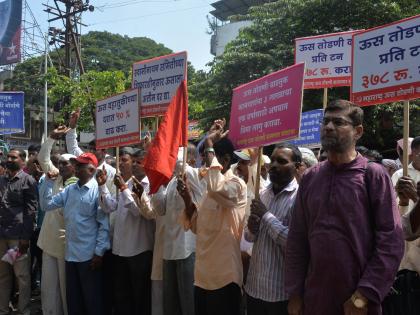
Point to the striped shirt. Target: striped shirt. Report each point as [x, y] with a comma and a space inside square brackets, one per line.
[265, 279]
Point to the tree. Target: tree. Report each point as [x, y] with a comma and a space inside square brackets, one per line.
[83, 94]
[101, 51]
[267, 45]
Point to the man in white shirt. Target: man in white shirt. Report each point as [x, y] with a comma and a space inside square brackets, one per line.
[179, 245]
[407, 188]
[132, 242]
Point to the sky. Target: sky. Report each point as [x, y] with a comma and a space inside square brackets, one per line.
[178, 24]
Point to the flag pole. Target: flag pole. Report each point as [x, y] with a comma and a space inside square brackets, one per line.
[257, 180]
[405, 136]
[184, 161]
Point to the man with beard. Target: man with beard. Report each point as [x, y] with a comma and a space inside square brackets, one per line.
[268, 226]
[345, 238]
[52, 236]
[18, 204]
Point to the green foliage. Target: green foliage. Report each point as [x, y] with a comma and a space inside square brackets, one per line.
[104, 51]
[267, 45]
[83, 94]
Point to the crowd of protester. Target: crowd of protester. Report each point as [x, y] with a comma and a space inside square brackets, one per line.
[327, 233]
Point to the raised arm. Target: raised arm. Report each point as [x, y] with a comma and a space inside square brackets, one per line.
[71, 136]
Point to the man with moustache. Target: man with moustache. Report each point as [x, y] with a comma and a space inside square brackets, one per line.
[345, 239]
[132, 241]
[18, 204]
[87, 238]
[268, 226]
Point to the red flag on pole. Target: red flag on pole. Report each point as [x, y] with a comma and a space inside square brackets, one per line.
[172, 133]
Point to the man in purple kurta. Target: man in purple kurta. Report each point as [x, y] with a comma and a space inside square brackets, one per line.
[345, 239]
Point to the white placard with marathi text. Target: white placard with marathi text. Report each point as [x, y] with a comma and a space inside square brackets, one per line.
[386, 63]
[158, 80]
[327, 59]
[117, 120]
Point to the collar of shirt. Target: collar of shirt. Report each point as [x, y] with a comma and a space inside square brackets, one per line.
[292, 186]
[352, 164]
[90, 184]
[17, 176]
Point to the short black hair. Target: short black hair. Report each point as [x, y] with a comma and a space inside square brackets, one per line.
[415, 143]
[223, 147]
[34, 148]
[127, 150]
[191, 150]
[362, 150]
[22, 153]
[92, 143]
[297, 155]
[355, 113]
[375, 155]
[139, 153]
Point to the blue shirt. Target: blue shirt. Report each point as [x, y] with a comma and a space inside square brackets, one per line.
[87, 226]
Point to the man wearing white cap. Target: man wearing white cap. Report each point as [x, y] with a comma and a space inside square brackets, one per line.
[51, 238]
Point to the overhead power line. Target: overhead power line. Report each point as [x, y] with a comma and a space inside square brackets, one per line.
[147, 15]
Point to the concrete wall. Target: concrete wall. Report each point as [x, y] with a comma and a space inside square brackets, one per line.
[225, 34]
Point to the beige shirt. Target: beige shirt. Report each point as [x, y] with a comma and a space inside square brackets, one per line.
[52, 235]
[218, 224]
[411, 259]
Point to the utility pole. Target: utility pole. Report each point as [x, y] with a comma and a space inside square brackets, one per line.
[69, 12]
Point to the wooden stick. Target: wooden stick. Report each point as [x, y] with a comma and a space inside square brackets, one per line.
[405, 135]
[257, 180]
[325, 98]
[184, 160]
[117, 157]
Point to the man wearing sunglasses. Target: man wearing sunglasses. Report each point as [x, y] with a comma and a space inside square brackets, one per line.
[345, 239]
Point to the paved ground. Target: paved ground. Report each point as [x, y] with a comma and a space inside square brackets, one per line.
[35, 303]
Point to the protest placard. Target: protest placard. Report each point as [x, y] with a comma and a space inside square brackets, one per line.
[117, 120]
[267, 110]
[327, 59]
[12, 112]
[158, 79]
[386, 63]
[310, 129]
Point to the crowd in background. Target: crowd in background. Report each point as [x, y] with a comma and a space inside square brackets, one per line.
[334, 231]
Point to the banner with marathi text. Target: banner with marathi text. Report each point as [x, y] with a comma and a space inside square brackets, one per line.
[386, 63]
[117, 120]
[158, 80]
[267, 110]
[327, 59]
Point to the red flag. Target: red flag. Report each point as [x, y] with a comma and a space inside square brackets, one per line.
[172, 133]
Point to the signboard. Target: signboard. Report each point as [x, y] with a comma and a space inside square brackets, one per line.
[12, 112]
[194, 131]
[310, 129]
[10, 31]
[386, 63]
[267, 110]
[117, 120]
[327, 59]
[158, 79]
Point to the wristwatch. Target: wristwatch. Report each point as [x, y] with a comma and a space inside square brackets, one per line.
[358, 301]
